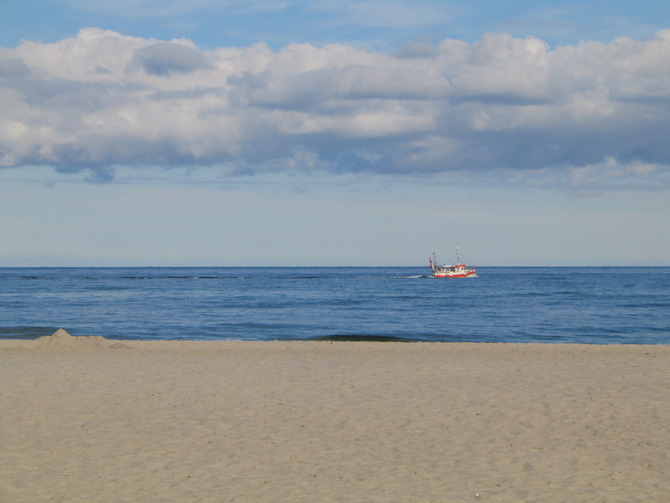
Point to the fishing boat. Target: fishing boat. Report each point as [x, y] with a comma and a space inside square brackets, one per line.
[457, 270]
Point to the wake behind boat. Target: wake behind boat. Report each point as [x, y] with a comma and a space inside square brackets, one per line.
[457, 270]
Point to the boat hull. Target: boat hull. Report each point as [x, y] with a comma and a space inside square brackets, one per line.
[464, 274]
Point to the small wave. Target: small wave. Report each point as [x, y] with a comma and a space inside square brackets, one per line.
[362, 338]
[25, 332]
[166, 277]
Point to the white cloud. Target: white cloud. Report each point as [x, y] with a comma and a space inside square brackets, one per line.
[102, 99]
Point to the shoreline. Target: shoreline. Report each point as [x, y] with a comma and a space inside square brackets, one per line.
[91, 419]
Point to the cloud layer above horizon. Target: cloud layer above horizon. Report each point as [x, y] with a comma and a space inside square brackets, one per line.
[595, 114]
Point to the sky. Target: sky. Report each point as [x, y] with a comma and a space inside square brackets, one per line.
[289, 133]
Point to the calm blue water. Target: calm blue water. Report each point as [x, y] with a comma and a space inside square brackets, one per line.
[606, 305]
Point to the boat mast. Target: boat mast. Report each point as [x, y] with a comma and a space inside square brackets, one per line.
[459, 257]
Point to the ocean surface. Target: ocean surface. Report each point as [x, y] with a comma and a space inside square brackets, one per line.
[595, 305]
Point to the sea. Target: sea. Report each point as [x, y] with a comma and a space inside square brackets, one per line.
[592, 305]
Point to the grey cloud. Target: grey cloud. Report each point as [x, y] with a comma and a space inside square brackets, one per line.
[13, 67]
[416, 50]
[165, 58]
[501, 103]
[77, 96]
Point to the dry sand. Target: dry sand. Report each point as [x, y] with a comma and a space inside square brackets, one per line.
[88, 420]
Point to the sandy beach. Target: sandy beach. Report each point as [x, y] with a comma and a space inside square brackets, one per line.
[85, 419]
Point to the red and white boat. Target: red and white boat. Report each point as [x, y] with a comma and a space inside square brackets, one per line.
[458, 270]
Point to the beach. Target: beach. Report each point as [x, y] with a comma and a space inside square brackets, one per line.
[87, 419]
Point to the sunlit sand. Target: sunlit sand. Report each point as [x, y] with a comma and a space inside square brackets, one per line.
[89, 419]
